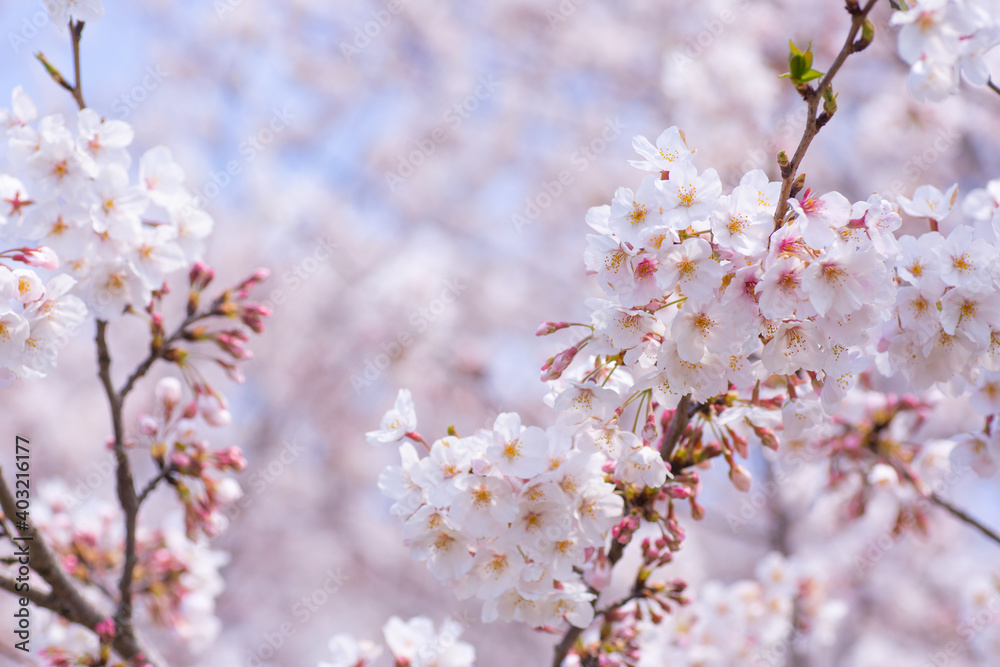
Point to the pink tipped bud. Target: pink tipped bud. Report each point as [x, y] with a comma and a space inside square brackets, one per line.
[740, 444]
[106, 630]
[767, 437]
[42, 256]
[147, 425]
[679, 492]
[740, 477]
[230, 458]
[201, 275]
[180, 460]
[253, 315]
[560, 362]
[233, 346]
[545, 328]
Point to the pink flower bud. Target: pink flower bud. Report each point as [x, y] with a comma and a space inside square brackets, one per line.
[545, 328]
[42, 256]
[740, 477]
[106, 630]
[147, 425]
[678, 492]
[233, 346]
[767, 437]
[253, 315]
[200, 276]
[559, 363]
[230, 458]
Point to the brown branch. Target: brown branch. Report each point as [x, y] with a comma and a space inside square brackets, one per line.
[152, 484]
[125, 486]
[75, 33]
[964, 516]
[813, 98]
[993, 86]
[682, 416]
[64, 598]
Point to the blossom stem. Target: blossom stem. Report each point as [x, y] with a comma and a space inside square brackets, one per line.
[75, 32]
[993, 86]
[815, 121]
[964, 516]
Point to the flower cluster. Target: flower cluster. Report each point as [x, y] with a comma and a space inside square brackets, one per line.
[940, 39]
[185, 460]
[177, 580]
[945, 328]
[707, 291]
[414, 643]
[114, 237]
[510, 515]
[36, 317]
[750, 622]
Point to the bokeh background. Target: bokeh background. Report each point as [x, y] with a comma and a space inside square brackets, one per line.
[396, 177]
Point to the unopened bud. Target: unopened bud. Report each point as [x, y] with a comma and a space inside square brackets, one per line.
[545, 328]
[740, 477]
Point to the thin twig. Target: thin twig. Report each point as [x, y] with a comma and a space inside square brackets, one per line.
[993, 86]
[964, 516]
[813, 99]
[75, 33]
[152, 484]
[159, 352]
